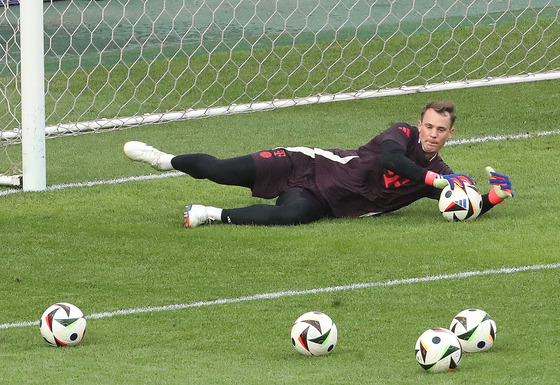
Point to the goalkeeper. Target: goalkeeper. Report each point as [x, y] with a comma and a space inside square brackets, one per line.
[396, 168]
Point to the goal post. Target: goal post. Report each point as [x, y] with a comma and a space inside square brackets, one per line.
[32, 97]
[121, 63]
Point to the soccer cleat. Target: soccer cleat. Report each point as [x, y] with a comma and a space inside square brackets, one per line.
[142, 152]
[196, 215]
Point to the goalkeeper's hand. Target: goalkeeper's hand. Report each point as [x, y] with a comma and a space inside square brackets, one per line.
[502, 186]
[441, 181]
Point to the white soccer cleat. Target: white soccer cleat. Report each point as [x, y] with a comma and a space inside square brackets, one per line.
[140, 151]
[196, 215]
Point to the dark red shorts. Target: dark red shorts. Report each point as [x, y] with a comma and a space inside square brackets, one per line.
[280, 169]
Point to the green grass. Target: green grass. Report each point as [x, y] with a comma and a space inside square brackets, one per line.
[121, 246]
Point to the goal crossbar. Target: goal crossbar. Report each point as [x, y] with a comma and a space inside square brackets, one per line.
[132, 121]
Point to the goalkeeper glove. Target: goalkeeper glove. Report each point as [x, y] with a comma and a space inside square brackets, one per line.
[441, 181]
[502, 186]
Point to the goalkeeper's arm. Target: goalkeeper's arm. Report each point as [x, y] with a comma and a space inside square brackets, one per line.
[393, 157]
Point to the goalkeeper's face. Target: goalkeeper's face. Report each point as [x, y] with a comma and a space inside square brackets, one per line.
[435, 129]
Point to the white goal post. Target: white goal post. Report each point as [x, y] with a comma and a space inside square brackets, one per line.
[112, 64]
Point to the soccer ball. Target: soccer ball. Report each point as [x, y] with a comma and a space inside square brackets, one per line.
[63, 324]
[475, 329]
[438, 350]
[314, 334]
[461, 203]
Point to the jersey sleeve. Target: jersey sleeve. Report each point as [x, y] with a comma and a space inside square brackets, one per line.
[401, 153]
[393, 157]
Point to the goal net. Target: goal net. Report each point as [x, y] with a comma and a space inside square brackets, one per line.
[120, 63]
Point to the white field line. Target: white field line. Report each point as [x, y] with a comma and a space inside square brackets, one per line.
[458, 142]
[102, 182]
[500, 138]
[293, 293]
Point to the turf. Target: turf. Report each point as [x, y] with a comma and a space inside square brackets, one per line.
[121, 246]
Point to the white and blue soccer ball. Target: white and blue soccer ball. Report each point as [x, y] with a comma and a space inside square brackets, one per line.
[461, 203]
[438, 350]
[63, 324]
[314, 334]
[475, 329]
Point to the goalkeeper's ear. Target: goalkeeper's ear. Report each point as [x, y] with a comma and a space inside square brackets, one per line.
[502, 186]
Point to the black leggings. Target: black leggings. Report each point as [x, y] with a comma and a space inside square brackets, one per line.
[238, 171]
[293, 206]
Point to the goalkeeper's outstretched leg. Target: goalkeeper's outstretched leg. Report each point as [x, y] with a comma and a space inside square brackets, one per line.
[238, 171]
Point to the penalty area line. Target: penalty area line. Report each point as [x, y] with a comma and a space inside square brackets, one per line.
[293, 293]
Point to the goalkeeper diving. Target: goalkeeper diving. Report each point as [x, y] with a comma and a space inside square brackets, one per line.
[396, 168]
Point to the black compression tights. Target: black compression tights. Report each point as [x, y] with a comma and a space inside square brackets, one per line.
[238, 171]
[292, 207]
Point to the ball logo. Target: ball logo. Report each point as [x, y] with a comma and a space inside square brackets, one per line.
[265, 154]
[461, 204]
